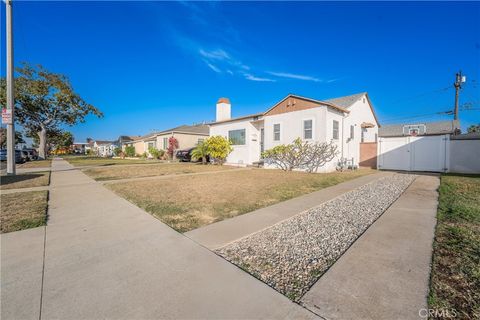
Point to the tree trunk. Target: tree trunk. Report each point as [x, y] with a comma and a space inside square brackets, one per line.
[42, 148]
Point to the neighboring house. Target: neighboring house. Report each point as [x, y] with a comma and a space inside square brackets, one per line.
[420, 146]
[104, 148]
[347, 121]
[80, 147]
[187, 137]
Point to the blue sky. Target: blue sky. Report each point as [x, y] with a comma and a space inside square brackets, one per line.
[154, 65]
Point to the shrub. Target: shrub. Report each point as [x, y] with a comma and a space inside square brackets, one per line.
[130, 151]
[200, 152]
[172, 146]
[144, 155]
[154, 152]
[218, 148]
[117, 151]
[308, 156]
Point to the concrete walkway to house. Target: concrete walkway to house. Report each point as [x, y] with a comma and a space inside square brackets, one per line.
[385, 273]
[218, 234]
[102, 257]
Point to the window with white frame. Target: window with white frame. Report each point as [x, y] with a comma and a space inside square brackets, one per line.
[307, 129]
[151, 144]
[165, 143]
[335, 130]
[276, 132]
[200, 140]
[237, 137]
[352, 132]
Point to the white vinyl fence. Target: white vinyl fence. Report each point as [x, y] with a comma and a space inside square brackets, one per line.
[438, 153]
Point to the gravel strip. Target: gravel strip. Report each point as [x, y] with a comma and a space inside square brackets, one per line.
[291, 255]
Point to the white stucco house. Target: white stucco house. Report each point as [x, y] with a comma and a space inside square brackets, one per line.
[104, 148]
[347, 121]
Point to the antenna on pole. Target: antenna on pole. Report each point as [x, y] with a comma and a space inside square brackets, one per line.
[459, 79]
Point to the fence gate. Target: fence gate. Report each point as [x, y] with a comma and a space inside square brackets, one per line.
[414, 153]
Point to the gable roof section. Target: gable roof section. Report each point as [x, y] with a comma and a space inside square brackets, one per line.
[202, 129]
[348, 101]
[432, 128]
[319, 102]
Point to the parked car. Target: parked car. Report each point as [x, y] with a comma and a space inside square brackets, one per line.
[186, 155]
[24, 154]
[32, 153]
[19, 158]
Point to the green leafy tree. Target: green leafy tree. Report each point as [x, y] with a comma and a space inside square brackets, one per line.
[130, 151]
[474, 128]
[200, 152]
[3, 137]
[44, 101]
[218, 148]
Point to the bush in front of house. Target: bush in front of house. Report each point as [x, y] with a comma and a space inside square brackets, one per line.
[200, 152]
[130, 151]
[155, 153]
[304, 155]
[218, 148]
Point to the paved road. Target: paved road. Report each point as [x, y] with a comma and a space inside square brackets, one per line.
[385, 273]
[102, 257]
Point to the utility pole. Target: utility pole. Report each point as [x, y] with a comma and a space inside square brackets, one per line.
[459, 79]
[9, 111]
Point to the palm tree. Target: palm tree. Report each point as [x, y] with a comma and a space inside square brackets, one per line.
[200, 152]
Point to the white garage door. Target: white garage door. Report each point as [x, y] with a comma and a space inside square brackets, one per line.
[427, 153]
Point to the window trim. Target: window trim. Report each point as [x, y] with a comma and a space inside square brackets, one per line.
[279, 132]
[245, 136]
[352, 132]
[333, 129]
[312, 129]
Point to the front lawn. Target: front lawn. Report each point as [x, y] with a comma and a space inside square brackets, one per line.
[189, 202]
[81, 161]
[25, 180]
[23, 210]
[36, 164]
[455, 277]
[123, 172]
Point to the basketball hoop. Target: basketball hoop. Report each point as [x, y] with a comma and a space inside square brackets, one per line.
[414, 129]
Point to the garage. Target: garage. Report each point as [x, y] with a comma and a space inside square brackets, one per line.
[415, 147]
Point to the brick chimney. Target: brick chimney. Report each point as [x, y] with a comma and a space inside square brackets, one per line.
[224, 109]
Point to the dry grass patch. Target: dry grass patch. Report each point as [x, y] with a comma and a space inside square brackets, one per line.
[186, 203]
[82, 161]
[25, 180]
[23, 210]
[114, 173]
[36, 164]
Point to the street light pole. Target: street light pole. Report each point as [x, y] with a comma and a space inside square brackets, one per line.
[10, 96]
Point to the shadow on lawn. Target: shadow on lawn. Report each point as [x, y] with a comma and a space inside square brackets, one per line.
[6, 180]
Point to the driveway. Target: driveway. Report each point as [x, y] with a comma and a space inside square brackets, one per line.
[102, 257]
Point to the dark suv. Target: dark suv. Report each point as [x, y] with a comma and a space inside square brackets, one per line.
[186, 155]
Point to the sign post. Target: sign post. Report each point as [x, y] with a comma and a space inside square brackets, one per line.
[8, 112]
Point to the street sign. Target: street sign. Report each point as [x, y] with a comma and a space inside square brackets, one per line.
[6, 116]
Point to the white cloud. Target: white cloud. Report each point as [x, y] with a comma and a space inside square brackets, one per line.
[213, 67]
[294, 76]
[218, 54]
[251, 77]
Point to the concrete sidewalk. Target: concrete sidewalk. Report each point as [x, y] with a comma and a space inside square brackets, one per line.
[218, 234]
[385, 273]
[106, 258]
